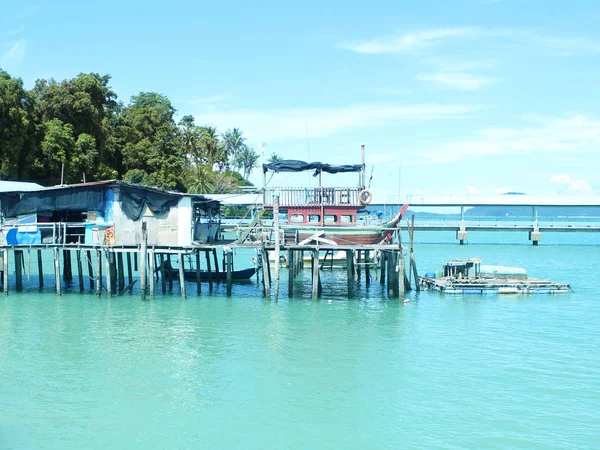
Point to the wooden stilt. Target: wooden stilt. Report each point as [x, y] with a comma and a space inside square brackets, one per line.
[401, 275]
[67, 268]
[214, 252]
[277, 242]
[163, 280]
[19, 269]
[315, 275]
[151, 273]
[143, 259]
[40, 265]
[90, 268]
[291, 271]
[198, 275]
[349, 273]
[5, 272]
[135, 262]
[209, 271]
[229, 264]
[129, 271]
[354, 265]
[413, 264]
[391, 269]
[382, 259]
[79, 270]
[108, 274]
[359, 263]
[120, 271]
[98, 272]
[181, 275]
[170, 272]
[57, 271]
[367, 259]
[266, 267]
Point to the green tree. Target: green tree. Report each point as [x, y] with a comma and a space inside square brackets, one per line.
[16, 131]
[274, 158]
[150, 141]
[57, 149]
[87, 103]
[247, 159]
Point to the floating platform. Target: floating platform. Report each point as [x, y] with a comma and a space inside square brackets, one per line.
[493, 286]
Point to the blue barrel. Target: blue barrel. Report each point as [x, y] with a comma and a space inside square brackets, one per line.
[430, 275]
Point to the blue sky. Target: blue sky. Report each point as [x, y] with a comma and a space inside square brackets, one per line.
[462, 97]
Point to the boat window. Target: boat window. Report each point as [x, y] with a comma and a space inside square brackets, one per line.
[296, 218]
[313, 218]
[330, 219]
[346, 218]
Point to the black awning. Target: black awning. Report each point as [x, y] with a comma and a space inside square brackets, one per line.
[292, 165]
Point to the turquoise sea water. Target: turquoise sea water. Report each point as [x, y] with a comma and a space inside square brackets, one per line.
[217, 372]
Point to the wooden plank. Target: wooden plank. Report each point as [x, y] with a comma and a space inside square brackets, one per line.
[251, 227]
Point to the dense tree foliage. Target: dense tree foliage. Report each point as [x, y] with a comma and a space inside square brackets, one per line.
[76, 130]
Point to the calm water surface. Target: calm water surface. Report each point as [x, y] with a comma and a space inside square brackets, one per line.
[218, 372]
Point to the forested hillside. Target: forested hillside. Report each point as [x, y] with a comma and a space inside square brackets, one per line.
[79, 129]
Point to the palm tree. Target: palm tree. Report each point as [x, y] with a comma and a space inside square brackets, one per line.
[247, 159]
[233, 143]
[275, 158]
[200, 179]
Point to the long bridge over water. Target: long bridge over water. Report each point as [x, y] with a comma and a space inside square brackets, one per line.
[534, 227]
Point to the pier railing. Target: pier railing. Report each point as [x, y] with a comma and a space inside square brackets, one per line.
[326, 196]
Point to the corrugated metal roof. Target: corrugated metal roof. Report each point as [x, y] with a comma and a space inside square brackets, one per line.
[16, 186]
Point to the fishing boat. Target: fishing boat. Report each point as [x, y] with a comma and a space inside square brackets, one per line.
[190, 274]
[328, 215]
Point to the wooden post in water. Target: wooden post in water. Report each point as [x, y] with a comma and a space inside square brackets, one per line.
[19, 269]
[56, 271]
[214, 251]
[67, 269]
[354, 265]
[413, 264]
[108, 274]
[40, 268]
[291, 271]
[209, 271]
[277, 241]
[129, 271]
[349, 273]
[143, 259]
[367, 259]
[266, 268]
[170, 272]
[229, 265]
[79, 270]
[163, 280]
[181, 275]
[315, 275]
[391, 271]
[358, 263]
[98, 272]
[5, 271]
[401, 274]
[198, 274]
[382, 258]
[90, 268]
[151, 273]
[121, 271]
[113, 272]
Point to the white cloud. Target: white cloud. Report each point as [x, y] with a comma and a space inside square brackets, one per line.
[15, 54]
[401, 43]
[284, 124]
[208, 100]
[574, 134]
[574, 185]
[561, 178]
[409, 41]
[581, 185]
[465, 81]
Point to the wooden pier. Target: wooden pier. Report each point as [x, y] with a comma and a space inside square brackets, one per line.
[117, 270]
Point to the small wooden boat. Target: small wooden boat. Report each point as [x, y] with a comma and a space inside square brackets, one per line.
[190, 275]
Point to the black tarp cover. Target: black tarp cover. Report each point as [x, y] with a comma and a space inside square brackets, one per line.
[134, 201]
[90, 197]
[292, 165]
[48, 201]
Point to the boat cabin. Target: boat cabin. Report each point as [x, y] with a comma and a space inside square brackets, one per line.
[331, 206]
